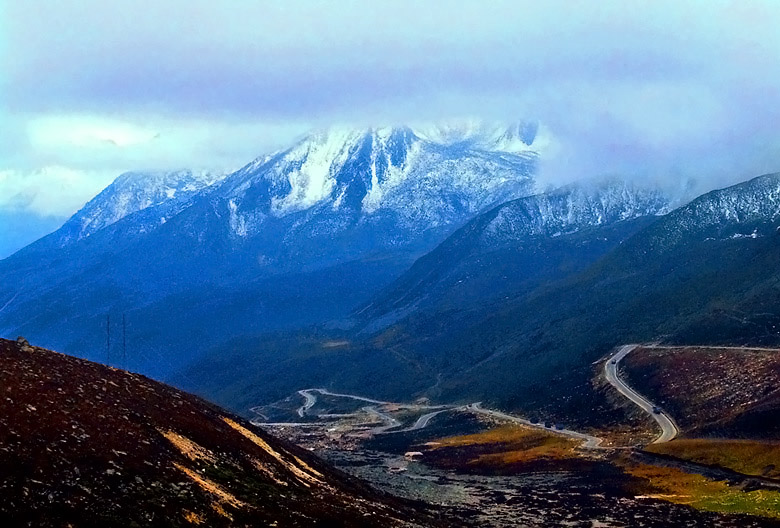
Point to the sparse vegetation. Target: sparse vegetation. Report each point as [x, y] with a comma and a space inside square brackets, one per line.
[677, 486]
[712, 392]
[83, 444]
[744, 456]
[503, 447]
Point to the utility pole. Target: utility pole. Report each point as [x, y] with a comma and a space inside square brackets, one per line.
[108, 339]
[124, 342]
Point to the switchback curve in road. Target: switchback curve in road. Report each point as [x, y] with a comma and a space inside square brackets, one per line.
[669, 429]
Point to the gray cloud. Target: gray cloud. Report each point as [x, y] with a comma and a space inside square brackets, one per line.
[672, 90]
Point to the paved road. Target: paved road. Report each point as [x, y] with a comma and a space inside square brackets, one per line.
[589, 441]
[421, 423]
[415, 406]
[669, 429]
[309, 400]
[391, 424]
[326, 392]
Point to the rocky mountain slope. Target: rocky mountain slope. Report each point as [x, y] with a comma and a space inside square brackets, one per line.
[167, 192]
[361, 190]
[747, 210]
[82, 444]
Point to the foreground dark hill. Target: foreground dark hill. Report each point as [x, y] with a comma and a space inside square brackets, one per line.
[82, 444]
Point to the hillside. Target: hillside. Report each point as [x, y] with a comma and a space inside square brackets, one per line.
[519, 244]
[725, 401]
[82, 444]
[712, 391]
[432, 318]
[661, 283]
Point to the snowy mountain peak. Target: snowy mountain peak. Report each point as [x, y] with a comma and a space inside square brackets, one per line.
[574, 207]
[747, 210]
[343, 177]
[517, 137]
[135, 191]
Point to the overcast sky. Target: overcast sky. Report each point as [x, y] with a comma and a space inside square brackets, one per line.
[670, 90]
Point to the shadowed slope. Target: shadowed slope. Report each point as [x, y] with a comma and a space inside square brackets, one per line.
[82, 444]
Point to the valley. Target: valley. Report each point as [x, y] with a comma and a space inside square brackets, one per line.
[498, 469]
[482, 374]
[390, 264]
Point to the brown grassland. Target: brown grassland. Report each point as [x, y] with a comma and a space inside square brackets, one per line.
[508, 445]
[515, 448]
[749, 457]
[680, 487]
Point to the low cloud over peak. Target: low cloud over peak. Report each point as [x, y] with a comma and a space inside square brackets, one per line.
[668, 89]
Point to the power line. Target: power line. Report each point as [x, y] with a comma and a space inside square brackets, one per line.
[108, 339]
[124, 342]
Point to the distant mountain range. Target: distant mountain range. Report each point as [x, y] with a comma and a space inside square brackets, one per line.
[428, 253]
[298, 237]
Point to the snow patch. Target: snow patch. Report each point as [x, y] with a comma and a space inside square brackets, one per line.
[310, 170]
[237, 221]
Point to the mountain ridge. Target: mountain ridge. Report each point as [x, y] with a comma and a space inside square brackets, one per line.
[527, 342]
[339, 212]
[557, 213]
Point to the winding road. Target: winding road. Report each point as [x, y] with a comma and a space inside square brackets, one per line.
[589, 441]
[390, 422]
[421, 423]
[309, 400]
[391, 425]
[669, 429]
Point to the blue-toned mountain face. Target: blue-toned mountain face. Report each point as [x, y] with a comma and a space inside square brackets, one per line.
[518, 243]
[166, 193]
[339, 194]
[298, 237]
[516, 307]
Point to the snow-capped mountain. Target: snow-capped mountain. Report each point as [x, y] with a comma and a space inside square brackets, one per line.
[135, 191]
[298, 237]
[519, 137]
[520, 240]
[572, 208]
[746, 210]
[389, 180]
